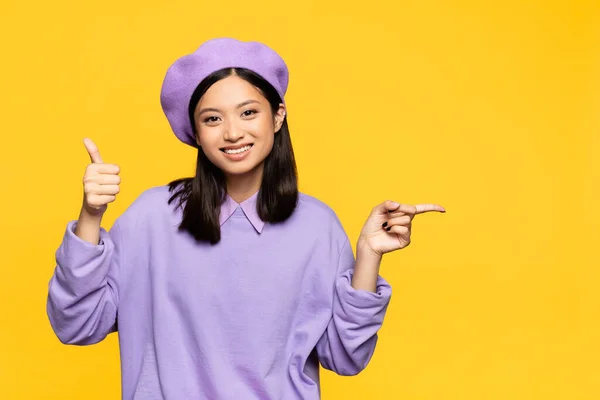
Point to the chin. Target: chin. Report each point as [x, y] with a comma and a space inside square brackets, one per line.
[236, 171]
[240, 170]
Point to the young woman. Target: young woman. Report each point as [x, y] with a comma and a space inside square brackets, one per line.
[230, 284]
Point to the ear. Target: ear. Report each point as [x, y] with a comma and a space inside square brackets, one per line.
[279, 117]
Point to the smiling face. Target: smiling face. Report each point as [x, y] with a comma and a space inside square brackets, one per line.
[236, 127]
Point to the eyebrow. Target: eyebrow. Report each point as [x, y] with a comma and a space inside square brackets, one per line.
[242, 104]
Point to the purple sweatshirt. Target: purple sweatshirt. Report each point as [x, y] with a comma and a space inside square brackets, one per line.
[248, 318]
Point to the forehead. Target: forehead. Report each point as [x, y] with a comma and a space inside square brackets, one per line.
[230, 91]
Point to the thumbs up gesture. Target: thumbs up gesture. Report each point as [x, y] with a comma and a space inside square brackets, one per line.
[100, 182]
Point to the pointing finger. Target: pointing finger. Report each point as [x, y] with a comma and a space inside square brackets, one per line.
[423, 208]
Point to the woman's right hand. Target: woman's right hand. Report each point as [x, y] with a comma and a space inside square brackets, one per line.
[100, 182]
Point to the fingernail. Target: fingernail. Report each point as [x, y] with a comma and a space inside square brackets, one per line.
[388, 228]
[394, 204]
[384, 224]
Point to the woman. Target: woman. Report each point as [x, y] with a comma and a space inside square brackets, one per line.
[230, 284]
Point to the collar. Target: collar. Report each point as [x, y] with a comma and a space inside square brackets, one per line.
[248, 207]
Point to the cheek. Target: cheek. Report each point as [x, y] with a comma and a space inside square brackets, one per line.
[209, 137]
[264, 129]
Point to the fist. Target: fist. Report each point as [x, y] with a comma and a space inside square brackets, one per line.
[100, 182]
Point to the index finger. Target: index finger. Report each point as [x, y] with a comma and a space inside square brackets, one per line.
[92, 150]
[423, 208]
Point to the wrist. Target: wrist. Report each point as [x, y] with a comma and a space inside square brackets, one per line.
[87, 216]
[366, 269]
[367, 260]
[364, 251]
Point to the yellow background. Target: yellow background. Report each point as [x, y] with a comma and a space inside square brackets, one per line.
[490, 109]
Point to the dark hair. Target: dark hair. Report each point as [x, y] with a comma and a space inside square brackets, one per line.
[202, 195]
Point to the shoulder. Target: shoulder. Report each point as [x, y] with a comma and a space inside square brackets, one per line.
[319, 214]
[153, 195]
[152, 201]
[312, 205]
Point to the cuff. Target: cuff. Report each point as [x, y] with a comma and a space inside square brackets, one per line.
[76, 254]
[363, 304]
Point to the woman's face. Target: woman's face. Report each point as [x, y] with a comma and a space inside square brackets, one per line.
[236, 126]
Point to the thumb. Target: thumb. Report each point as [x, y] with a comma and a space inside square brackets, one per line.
[385, 207]
[92, 150]
[389, 206]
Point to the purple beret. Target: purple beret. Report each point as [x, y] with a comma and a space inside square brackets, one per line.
[188, 71]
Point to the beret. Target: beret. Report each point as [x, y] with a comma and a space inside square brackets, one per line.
[184, 75]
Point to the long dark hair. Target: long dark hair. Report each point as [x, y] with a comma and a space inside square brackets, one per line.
[202, 195]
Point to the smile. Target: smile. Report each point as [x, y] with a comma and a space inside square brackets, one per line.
[237, 151]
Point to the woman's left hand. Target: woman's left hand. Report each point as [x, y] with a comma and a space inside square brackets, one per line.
[388, 227]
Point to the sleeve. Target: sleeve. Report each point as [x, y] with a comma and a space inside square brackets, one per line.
[348, 343]
[83, 293]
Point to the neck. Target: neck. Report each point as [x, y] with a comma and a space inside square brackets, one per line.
[241, 187]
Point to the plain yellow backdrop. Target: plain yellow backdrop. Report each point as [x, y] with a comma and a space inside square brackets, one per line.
[490, 109]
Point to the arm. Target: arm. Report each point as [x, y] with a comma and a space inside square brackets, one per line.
[348, 343]
[361, 296]
[366, 270]
[83, 295]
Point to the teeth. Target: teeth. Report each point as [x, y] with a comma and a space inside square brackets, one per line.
[238, 151]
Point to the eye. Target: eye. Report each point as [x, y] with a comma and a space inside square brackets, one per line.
[210, 119]
[248, 113]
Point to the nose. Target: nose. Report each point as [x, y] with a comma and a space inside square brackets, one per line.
[232, 132]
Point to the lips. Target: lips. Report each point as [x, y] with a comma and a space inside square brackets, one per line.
[236, 147]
